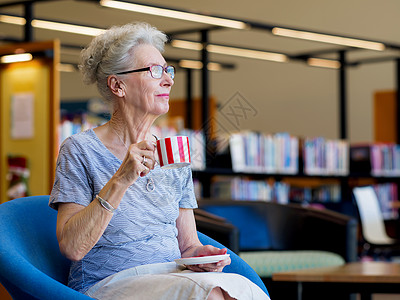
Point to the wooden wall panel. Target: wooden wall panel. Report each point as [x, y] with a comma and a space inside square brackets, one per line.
[385, 121]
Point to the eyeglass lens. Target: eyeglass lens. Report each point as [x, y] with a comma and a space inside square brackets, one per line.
[157, 71]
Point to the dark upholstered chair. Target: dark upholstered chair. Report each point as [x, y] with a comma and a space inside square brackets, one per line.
[276, 237]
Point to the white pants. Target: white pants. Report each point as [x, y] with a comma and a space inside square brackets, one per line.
[172, 282]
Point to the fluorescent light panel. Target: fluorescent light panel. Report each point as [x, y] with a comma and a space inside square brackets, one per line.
[195, 64]
[12, 58]
[257, 54]
[247, 53]
[324, 63]
[50, 25]
[330, 39]
[170, 13]
[12, 20]
[187, 45]
[84, 30]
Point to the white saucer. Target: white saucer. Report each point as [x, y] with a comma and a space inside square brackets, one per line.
[201, 259]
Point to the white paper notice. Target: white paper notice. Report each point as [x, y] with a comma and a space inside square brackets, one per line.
[22, 112]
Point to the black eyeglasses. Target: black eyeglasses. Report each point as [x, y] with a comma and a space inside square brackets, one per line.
[156, 71]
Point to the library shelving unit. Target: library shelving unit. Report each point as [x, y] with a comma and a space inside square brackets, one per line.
[346, 183]
[360, 170]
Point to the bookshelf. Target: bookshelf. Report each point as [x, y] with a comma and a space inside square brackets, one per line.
[317, 186]
[346, 183]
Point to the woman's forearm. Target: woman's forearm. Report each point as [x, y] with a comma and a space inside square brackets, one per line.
[79, 228]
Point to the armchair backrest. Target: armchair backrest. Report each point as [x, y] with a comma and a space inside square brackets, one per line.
[31, 265]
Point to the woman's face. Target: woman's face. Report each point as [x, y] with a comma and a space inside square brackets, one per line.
[145, 93]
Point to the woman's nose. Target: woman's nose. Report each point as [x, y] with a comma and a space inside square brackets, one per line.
[167, 80]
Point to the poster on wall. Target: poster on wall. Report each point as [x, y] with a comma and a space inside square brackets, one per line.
[22, 112]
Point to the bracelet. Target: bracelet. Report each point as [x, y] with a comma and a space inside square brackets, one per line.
[107, 206]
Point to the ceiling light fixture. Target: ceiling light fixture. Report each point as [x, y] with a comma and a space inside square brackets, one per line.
[12, 20]
[175, 14]
[51, 25]
[84, 30]
[248, 53]
[324, 63]
[234, 51]
[12, 58]
[195, 64]
[187, 45]
[330, 39]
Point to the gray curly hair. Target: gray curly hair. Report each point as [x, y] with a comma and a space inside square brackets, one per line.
[109, 52]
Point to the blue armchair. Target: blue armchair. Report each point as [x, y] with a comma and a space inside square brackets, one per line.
[31, 265]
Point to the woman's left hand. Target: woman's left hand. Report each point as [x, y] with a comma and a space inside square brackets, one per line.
[213, 267]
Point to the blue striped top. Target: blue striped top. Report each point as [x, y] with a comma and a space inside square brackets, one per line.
[142, 229]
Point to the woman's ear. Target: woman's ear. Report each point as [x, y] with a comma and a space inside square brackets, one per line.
[116, 86]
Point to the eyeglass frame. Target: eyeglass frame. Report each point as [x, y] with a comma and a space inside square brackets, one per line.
[149, 69]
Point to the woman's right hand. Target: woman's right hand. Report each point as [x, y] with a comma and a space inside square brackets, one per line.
[138, 161]
[76, 239]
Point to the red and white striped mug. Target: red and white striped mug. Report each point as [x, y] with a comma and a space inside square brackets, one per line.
[173, 152]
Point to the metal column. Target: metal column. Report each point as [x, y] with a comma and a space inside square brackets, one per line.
[206, 126]
[342, 96]
[344, 189]
[204, 78]
[28, 8]
[189, 99]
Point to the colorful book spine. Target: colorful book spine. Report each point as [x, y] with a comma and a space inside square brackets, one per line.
[239, 188]
[325, 157]
[254, 152]
[385, 159]
[387, 193]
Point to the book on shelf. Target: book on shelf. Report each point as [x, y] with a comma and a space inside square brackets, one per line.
[242, 188]
[255, 152]
[325, 157]
[385, 159]
[387, 193]
[376, 159]
[315, 194]
[236, 145]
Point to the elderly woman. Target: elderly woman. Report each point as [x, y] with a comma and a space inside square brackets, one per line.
[122, 220]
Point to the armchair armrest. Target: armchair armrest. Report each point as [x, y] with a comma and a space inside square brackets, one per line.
[308, 228]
